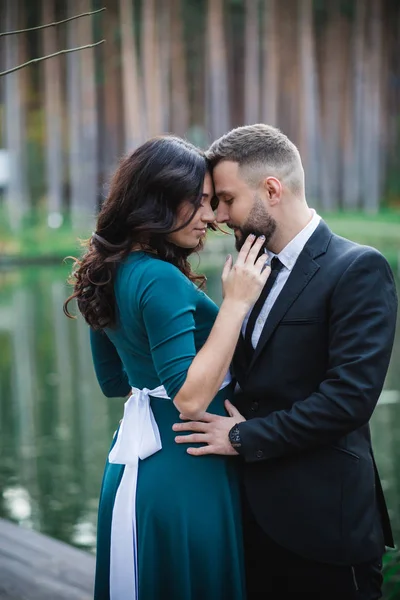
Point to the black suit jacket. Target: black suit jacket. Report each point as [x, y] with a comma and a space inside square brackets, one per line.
[308, 392]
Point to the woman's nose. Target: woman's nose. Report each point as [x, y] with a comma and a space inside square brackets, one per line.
[208, 216]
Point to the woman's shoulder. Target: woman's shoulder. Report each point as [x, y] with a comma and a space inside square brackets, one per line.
[143, 271]
[151, 265]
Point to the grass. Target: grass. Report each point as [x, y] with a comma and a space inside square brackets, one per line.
[38, 242]
[381, 231]
[383, 227]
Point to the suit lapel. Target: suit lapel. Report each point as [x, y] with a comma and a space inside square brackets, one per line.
[303, 271]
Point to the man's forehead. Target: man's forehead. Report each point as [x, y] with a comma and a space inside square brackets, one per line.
[226, 177]
[226, 168]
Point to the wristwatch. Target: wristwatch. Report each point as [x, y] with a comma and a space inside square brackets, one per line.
[234, 437]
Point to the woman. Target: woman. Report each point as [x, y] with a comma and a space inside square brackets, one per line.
[169, 525]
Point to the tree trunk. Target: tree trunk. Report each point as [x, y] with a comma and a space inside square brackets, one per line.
[197, 78]
[270, 80]
[164, 11]
[111, 142]
[74, 124]
[290, 78]
[151, 69]
[286, 55]
[89, 113]
[53, 115]
[344, 34]
[348, 168]
[331, 103]
[354, 164]
[236, 57]
[179, 84]
[17, 199]
[252, 64]
[134, 114]
[310, 140]
[371, 167]
[392, 138]
[218, 114]
[385, 143]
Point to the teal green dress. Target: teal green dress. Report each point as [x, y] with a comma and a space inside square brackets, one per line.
[187, 508]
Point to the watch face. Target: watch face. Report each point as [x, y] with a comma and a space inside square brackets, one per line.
[234, 437]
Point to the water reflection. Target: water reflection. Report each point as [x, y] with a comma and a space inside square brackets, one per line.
[54, 422]
[55, 425]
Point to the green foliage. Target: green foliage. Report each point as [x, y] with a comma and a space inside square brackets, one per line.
[37, 241]
[381, 231]
[391, 575]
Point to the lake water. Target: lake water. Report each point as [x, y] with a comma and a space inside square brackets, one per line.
[56, 426]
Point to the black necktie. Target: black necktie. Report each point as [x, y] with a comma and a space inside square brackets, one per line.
[276, 266]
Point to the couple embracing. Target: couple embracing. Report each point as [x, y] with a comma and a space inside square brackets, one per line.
[243, 466]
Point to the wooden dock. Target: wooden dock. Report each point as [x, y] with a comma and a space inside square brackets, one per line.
[36, 567]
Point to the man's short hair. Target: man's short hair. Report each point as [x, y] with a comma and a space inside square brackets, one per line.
[261, 151]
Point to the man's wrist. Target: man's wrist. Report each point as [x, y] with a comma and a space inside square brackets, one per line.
[234, 438]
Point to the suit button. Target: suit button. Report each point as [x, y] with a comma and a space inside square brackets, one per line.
[259, 454]
[254, 406]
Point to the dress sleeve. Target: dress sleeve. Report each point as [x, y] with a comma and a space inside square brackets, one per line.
[167, 304]
[108, 366]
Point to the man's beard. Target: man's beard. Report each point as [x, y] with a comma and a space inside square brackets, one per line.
[259, 222]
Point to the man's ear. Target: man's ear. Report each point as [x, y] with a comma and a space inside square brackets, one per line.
[273, 189]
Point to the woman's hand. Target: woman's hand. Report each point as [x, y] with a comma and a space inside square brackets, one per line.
[244, 281]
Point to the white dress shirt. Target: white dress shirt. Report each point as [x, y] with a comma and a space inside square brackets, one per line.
[288, 257]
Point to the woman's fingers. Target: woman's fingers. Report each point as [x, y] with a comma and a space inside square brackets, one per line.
[255, 250]
[246, 279]
[227, 267]
[261, 265]
[265, 274]
[248, 253]
[242, 256]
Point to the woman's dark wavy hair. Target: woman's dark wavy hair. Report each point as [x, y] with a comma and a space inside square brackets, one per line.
[146, 191]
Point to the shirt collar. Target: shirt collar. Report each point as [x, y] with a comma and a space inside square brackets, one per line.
[292, 250]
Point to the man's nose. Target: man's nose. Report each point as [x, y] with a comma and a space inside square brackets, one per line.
[222, 215]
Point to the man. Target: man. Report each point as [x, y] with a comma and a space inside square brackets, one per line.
[310, 365]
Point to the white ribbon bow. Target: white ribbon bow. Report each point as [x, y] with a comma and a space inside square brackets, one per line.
[138, 438]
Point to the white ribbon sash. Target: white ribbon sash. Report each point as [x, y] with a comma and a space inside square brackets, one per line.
[138, 438]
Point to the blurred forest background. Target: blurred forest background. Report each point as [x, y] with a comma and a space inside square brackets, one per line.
[327, 72]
